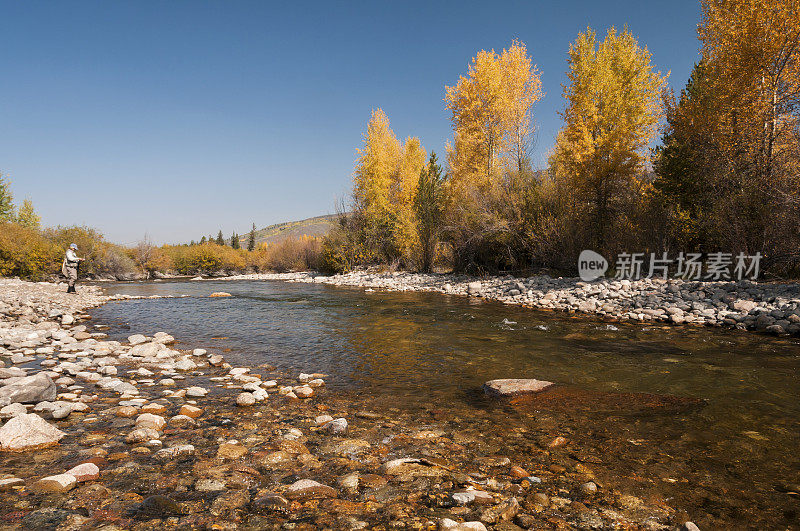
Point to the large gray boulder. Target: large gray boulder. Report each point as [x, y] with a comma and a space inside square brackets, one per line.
[514, 386]
[28, 390]
[28, 432]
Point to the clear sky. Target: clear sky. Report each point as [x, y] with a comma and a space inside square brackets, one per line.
[181, 118]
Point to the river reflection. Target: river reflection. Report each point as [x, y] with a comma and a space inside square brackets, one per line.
[725, 462]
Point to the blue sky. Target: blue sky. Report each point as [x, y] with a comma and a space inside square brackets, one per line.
[181, 118]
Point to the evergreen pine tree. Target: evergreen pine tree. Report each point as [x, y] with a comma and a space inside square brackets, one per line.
[251, 241]
[202, 240]
[428, 208]
[235, 241]
[6, 201]
[220, 239]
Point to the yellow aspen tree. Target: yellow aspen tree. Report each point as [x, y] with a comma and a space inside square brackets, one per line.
[375, 171]
[411, 162]
[491, 114]
[522, 88]
[613, 109]
[752, 48]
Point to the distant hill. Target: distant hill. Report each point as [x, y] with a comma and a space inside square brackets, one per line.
[318, 226]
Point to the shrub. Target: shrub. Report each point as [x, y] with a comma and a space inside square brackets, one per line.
[103, 259]
[25, 252]
[206, 258]
[291, 254]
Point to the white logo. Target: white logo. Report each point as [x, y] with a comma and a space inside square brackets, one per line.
[591, 265]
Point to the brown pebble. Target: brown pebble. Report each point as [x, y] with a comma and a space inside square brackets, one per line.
[190, 411]
[231, 451]
[155, 409]
[126, 412]
[518, 472]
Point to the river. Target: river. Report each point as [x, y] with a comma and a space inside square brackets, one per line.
[727, 460]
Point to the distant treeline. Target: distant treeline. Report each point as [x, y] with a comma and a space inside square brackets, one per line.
[725, 177]
[29, 251]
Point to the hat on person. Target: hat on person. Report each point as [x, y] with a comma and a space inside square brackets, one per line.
[73, 246]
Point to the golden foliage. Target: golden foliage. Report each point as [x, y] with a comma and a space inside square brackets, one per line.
[26, 253]
[384, 184]
[27, 216]
[752, 52]
[612, 114]
[491, 115]
[206, 258]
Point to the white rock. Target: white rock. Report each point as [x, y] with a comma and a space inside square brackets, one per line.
[28, 432]
[137, 339]
[59, 483]
[245, 400]
[196, 392]
[446, 524]
[148, 420]
[336, 426]
[12, 410]
[322, 419]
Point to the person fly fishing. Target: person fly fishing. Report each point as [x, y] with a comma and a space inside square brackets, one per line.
[70, 267]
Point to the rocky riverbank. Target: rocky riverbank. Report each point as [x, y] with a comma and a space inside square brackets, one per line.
[144, 434]
[765, 307]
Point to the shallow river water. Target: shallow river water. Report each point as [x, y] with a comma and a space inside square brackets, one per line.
[726, 455]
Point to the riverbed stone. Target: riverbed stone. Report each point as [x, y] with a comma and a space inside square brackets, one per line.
[245, 400]
[231, 451]
[28, 432]
[9, 484]
[85, 472]
[136, 339]
[58, 483]
[28, 390]
[510, 387]
[175, 452]
[446, 524]
[306, 489]
[141, 435]
[336, 426]
[148, 420]
[270, 502]
[12, 410]
[196, 392]
[154, 408]
[191, 411]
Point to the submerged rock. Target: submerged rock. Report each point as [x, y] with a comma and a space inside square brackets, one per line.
[174, 452]
[245, 400]
[158, 506]
[446, 524]
[271, 502]
[306, 489]
[59, 483]
[9, 483]
[28, 432]
[85, 472]
[336, 426]
[514, 386]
